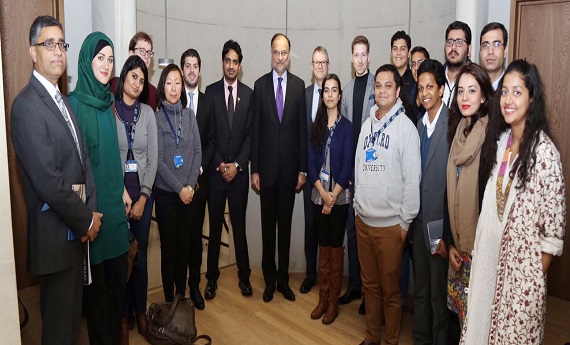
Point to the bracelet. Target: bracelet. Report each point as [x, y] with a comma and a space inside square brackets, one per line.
[190, 189]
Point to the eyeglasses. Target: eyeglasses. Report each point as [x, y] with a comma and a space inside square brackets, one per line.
[282, 53]
[417, 63]
[459, 42]
[320, 63]
[495, 44]
[145, 53]
[50, 45]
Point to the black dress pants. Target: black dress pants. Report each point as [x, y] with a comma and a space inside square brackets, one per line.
[197, 214]
[311, 242]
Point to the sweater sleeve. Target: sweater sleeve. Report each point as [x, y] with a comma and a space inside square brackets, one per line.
[347, 150]
[411, 173]
[197, 153]
[147, 180]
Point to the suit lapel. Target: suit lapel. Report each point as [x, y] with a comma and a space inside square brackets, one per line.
[222, 103]
[309, 105]
[271, 92]
[438, 133]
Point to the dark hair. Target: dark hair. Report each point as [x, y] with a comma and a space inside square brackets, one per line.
[536, 121]
[40, 23]
[398, 81]
[434, 67]
[283, 35]
[419, 49]
[229, 45]
[401, 35]
[360, 40]
[319, 130]
[133, 62]
[494, 26]
[487, 92]
[139, 36]
[190, 53]
[457, 25]
[160, 88]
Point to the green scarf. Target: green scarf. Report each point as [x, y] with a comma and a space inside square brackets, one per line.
[92, 95]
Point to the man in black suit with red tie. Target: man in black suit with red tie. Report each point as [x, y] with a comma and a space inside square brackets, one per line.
[229, 171]
[191, 63]
[278, 161]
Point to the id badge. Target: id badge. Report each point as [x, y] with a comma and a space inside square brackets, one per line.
[178, 161]
[325, 176]
[131, 166]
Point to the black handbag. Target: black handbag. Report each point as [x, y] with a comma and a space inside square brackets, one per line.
[173, 323]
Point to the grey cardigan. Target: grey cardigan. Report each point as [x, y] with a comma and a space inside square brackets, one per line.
[145, 147]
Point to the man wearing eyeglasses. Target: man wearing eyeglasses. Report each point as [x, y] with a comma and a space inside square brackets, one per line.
[141, 45]
[320, 68]
[457, 51]
[54, 164]
[278, 161]
[493, 51]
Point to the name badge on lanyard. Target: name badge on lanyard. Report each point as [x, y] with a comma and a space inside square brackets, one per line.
[178, 159]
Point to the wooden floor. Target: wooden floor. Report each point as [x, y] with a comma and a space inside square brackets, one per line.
[233, 319]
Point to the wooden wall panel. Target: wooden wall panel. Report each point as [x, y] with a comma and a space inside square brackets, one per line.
[542, 35]
[16, 16]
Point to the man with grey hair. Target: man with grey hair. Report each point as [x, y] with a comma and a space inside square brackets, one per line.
[59, 185]
[320, 68]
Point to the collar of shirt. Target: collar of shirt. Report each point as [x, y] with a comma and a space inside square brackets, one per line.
[194, 99]
[283, 83]
[448, 89]
[431, 126]
[496, 82]
[51, 89]
[227, 92]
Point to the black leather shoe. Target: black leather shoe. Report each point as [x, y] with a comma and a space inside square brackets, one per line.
[245, 287]
[307, 285]
[210, 291]
[268, 294]
[362, 308]
[286, 292]
[349, 296]
[197, 299]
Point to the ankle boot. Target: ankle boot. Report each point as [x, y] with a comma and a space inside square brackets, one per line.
[335, 282]
[324, 273]
[124, 331]
[142, 323]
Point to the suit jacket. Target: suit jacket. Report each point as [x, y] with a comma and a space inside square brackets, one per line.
[309, 104]
[348, 99]
[207, 129]
[232, 144]
[50, 165]
[279, 148]
[434, 178]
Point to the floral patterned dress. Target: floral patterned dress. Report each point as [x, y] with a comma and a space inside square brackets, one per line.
[507, 295]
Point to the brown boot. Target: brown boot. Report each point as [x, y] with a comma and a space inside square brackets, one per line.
[142, 323]
[124, 331]
[324, 272]
[335, 282]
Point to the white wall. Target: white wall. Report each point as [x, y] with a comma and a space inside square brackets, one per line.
[78, 24]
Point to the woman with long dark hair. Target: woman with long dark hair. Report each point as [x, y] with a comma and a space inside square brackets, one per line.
[136, 130]
[179, 160]
[330, 168]
[466, 132]
[522, 221]
[92, 102]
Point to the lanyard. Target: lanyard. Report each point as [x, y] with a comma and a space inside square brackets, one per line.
[177, 134]
[328, 147]
[130, 127]
[386, 124]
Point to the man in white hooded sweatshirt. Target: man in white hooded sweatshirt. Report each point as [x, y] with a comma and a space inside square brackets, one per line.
[387, 199]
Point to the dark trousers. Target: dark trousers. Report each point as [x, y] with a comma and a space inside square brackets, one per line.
[330, 227]
[237, 203]
[277, 204]
[197, 214]
[173, 218]
[354, 280]
[60, 303]
[106, 300]
[137, 287]
[431, 316]
[311, 242]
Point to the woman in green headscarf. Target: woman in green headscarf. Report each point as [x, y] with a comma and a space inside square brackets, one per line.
[92, 103]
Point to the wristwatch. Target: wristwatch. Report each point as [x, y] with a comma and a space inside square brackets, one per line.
[303, 173]
[237, 166]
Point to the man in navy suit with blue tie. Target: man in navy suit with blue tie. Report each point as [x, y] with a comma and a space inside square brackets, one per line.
[278, 161]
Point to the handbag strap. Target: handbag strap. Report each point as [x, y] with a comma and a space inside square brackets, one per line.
[166, 320]
[183, 341]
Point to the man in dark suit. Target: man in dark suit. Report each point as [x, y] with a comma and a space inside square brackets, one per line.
[278, 161]
[230, 167]
[320, 68]
[53, 161]
[190, 63]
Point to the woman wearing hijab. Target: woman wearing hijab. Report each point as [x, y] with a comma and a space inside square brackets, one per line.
[92, 102]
